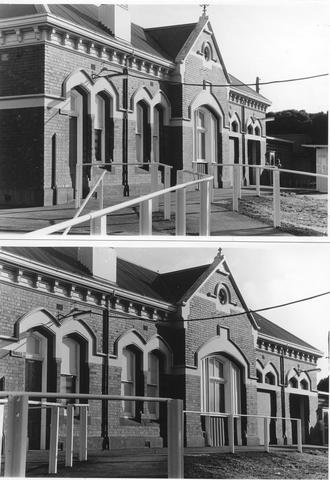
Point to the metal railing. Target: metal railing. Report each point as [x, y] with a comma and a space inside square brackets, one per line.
[98, 219]
[229, 429]
[16, 429]
[276, 184]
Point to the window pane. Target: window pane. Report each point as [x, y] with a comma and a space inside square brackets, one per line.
[98, 144]
[68, 384]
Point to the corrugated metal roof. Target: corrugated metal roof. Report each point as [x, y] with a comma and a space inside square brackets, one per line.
[271, 329]
[245, 88]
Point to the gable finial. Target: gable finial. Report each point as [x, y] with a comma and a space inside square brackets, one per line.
[204, 9]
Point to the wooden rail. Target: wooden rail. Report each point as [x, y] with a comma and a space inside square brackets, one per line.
[98, 219]
[16, 430]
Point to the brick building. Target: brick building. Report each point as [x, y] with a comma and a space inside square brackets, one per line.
[66, 99]
[84, 321]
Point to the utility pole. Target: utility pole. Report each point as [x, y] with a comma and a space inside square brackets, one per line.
[282, 379]
[105, 382]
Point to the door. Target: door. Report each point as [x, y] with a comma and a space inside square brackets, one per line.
[299, 408]
[33, 383]
[267, 408]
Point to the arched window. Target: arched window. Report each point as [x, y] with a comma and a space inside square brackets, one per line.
[70, 366]
[257, 131]
[250, 129]
[270, 378]
[153, 382]
[304, 384]
[205, 136]
[103, 129]
[234, 126]
[293, 382]
[259, 376]
[220, 385]
[207, 53]
[158, 134]
[132, 381]
[142, 133]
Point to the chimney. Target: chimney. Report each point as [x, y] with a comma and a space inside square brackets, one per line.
[101, 262]
[258, 85]
[117, 19]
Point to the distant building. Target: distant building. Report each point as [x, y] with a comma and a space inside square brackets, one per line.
[84, 321]
[66, 102]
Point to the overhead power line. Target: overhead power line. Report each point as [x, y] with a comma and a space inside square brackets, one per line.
[241, 84]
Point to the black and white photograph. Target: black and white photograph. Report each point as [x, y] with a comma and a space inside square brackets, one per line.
[165, 361]
[164, 250]
[164, 119]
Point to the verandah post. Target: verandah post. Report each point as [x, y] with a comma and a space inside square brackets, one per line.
[235, 187]
[2, 409]
[276, 198]
[231, 434]
[258, 181]
[266, 434]
[175, 460]
[16, 436]
[167, 196]
[69, 436]
[180, 216]
[146, 217]
[53, 443]
[204, 219]
[299, 435]
[78, 185]
[154, 184]
[98, 226]
[83, 433]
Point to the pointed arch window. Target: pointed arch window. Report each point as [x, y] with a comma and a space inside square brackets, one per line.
[70, 366]
[153, 383]
[205, 136]
[132, 382]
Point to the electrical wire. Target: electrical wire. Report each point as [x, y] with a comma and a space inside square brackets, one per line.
[241, 84]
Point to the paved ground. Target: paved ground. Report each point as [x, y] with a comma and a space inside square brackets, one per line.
[126, 222]
[152, 463]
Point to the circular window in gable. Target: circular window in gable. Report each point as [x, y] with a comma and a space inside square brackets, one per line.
[223, 295]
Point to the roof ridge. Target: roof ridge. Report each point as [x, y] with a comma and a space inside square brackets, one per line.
[169, 26]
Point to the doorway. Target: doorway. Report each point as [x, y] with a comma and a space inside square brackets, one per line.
[299, 408]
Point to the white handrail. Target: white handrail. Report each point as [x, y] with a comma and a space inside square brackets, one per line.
[112, 209]
[78, 212]
[269, 167]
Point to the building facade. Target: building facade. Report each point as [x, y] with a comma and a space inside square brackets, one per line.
[84, 321]
[82, 85]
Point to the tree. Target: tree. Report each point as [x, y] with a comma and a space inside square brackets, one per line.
[323, 385]
[315, 125]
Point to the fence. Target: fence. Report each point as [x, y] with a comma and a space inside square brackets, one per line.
[225, 429]
[16, 431]
[98, 219]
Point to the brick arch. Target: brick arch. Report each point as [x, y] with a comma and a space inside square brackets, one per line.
[78, 327]
[222, 345]
[141, 93]
[160, 98]
[207, 100]
[104, 85]
[35, 318]
[235, 118]
[157, 343]
[270, 368]
[74, 79]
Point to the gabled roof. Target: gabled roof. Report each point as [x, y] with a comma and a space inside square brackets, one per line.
[272, 330]
[171, 38]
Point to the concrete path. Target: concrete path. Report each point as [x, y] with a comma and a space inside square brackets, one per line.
[126, 222]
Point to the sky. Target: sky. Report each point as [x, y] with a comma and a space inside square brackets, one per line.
[274, 40]
[267, 274]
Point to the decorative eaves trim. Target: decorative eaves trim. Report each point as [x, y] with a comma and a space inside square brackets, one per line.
[281, 342]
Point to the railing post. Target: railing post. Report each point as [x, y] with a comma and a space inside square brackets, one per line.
[154, 184]
[258, 181]
[276, 198]
[146, 217]
[69, 436]
[78, 185]
[167, 196]
[204, 219]
[16, 436]
[100, 194]
[180, 216]
[235, 188]
[53, 443]
[179, 177]
[299, 435]
[2, 409]
[83, 433]
[98, 226]
[239, 180]
[266, 434]
[175, 461]
[231, 434]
